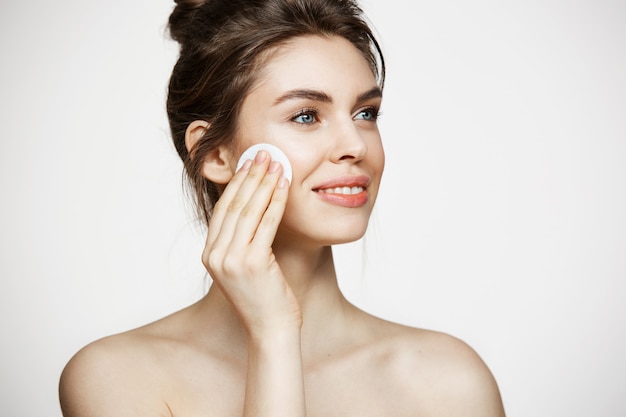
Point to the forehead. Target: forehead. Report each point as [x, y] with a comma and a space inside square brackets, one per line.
[318, 62]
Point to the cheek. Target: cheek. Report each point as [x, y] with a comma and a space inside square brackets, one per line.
[303, 159]
[377, 153]
[381, 157]
[377, 163]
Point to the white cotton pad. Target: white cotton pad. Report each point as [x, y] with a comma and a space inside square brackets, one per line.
[275, 153]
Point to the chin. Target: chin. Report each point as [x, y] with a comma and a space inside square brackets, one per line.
[330, 234]
[342, 234]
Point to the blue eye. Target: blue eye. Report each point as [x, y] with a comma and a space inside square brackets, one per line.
[305, 117]
[369, 114]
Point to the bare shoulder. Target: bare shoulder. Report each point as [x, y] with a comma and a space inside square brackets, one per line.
[111, 376]
[130, 373]
[444, 373]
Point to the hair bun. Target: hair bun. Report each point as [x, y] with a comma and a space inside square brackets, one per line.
[180, 23]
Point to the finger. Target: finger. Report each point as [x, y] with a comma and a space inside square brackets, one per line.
[221, 206]
[237, 194]
[251, 215]
[268, 226]
[231, 208]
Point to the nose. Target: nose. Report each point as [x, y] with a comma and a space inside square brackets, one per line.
[349, 143]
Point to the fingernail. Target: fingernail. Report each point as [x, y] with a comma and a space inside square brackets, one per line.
[246, 165]
[283, 182]
[260, 157]
[274, 166]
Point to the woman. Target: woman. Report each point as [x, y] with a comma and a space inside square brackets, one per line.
[274, 336]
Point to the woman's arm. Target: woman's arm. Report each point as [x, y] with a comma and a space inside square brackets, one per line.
[274, 385]
[238, 256]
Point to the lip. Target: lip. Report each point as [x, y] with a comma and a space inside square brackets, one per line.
[344, 200]
[344, 181]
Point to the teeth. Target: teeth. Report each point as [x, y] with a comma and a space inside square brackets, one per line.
[343, 190]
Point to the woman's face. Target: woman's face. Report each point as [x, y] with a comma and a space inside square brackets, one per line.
[317, 100]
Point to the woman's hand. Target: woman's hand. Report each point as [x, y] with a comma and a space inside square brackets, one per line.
[238, 253]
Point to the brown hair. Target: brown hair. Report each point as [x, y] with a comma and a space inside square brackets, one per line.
[222, 43]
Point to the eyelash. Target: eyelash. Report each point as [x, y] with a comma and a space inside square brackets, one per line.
[311, 111]
[372, 109]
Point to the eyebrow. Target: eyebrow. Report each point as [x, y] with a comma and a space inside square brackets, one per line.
[375, 92]
[320, 96]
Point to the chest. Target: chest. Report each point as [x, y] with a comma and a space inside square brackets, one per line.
[357, 391]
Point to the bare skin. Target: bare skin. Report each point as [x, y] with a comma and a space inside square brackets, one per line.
[275, 336]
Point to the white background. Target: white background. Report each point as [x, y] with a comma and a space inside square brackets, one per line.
[501, 219]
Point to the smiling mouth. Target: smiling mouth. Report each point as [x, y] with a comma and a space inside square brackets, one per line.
[342, 190]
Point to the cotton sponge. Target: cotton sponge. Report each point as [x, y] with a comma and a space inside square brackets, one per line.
[275, 153]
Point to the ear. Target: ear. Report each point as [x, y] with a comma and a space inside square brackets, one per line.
[216, 165]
